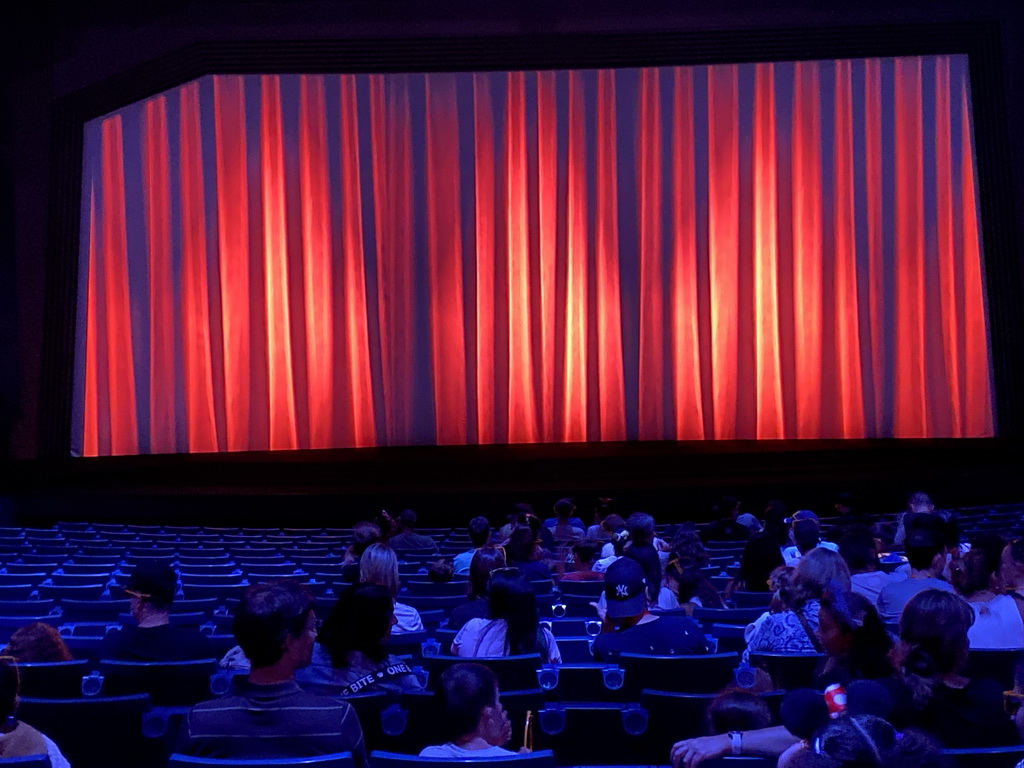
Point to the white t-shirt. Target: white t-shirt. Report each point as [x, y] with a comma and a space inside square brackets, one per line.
[455, 752]
[602, 565]
[485, 638]
[997, 624]
[407, 619]
[792, 555]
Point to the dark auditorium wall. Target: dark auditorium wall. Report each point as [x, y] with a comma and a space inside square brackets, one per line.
[60, 47]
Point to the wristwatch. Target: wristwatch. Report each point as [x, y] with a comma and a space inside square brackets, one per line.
[736, 737]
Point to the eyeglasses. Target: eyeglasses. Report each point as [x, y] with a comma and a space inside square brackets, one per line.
[139, 595]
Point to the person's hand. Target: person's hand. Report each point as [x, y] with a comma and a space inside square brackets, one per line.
[524, 750]
[690, 752]
[602, 612]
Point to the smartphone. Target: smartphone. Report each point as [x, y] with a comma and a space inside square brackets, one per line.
[528, 731]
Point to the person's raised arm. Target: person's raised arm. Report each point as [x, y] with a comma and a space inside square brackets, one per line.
[764, 741]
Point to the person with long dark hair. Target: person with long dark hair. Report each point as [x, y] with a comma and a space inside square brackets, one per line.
[854, 638]
[930, 690]
[512, 627]
[524, 552]
[760, 557]
[485, 561]
[351, 651]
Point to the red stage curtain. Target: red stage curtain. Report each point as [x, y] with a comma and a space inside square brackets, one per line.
[760, 251]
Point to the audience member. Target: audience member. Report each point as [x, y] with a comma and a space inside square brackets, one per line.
[479, 537]
[565, 510]
[805, 533]
[351, 650]
[760, 557]
[584, 555]
[471, 713]
[930, 691]
[524, 552]
[379, 565]
[565, 531]
[597, 531]
[407, 539]
[628, 626]
[512, 627]
[620, 538]
[18, 739]
[737, 710]
[654, 572]
[794, 630]
[727, 527]
[997, 622]
[37, 643]
[519, 514]
[918, 503]
[269, 716]
[364, 535]
[865, 741]
[854, 638]
[926, 554]
[1011, 572]
[776, 522]
[858, 549]
[692, 589]
[386, 524]
[440, 571]
[612, 524]
[485, 562]
[151, 588]
[687, 544]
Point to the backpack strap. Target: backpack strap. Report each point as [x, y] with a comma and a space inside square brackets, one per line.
[810, 633]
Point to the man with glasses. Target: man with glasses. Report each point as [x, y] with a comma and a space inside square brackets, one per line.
[269, 716]
[151, 589]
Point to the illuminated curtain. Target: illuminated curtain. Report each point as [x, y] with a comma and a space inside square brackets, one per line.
[784, 250]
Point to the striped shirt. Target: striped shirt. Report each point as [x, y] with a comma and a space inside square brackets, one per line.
[272, 721]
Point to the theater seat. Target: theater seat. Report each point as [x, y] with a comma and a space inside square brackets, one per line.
[52, 679]
[169, 683]
[591, 733]
[985, 757]
[513, 672]
[687, 674]
[102, 732]
[336, 760]
[31, 761]
[790, 670]
[544, 758]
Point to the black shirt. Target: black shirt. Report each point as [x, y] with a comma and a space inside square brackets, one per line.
[959, 718]
[664, 636]
[163, 643]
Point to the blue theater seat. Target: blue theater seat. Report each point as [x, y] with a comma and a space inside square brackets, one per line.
[99, 732]
[544, 758]
[336, 760]
[687, 674]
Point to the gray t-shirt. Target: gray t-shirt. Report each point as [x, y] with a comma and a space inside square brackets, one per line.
[453, 752]
[893, 597]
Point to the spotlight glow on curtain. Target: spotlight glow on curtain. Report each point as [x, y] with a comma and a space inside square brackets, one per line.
[758, 251]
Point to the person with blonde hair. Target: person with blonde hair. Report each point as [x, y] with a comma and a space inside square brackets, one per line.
[379, 565]
[795, 630]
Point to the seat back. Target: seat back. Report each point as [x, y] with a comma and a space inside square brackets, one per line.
[30, 761]
[708, 673]
[335, 760]
[790, 670]
[999, 664]
[569, 730]
[103, 732]
[985, 757]
[52, 679]
[544, 758]
[169, 683]
[511, 671]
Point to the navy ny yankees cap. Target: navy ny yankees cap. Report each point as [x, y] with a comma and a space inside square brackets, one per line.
[625, 588]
